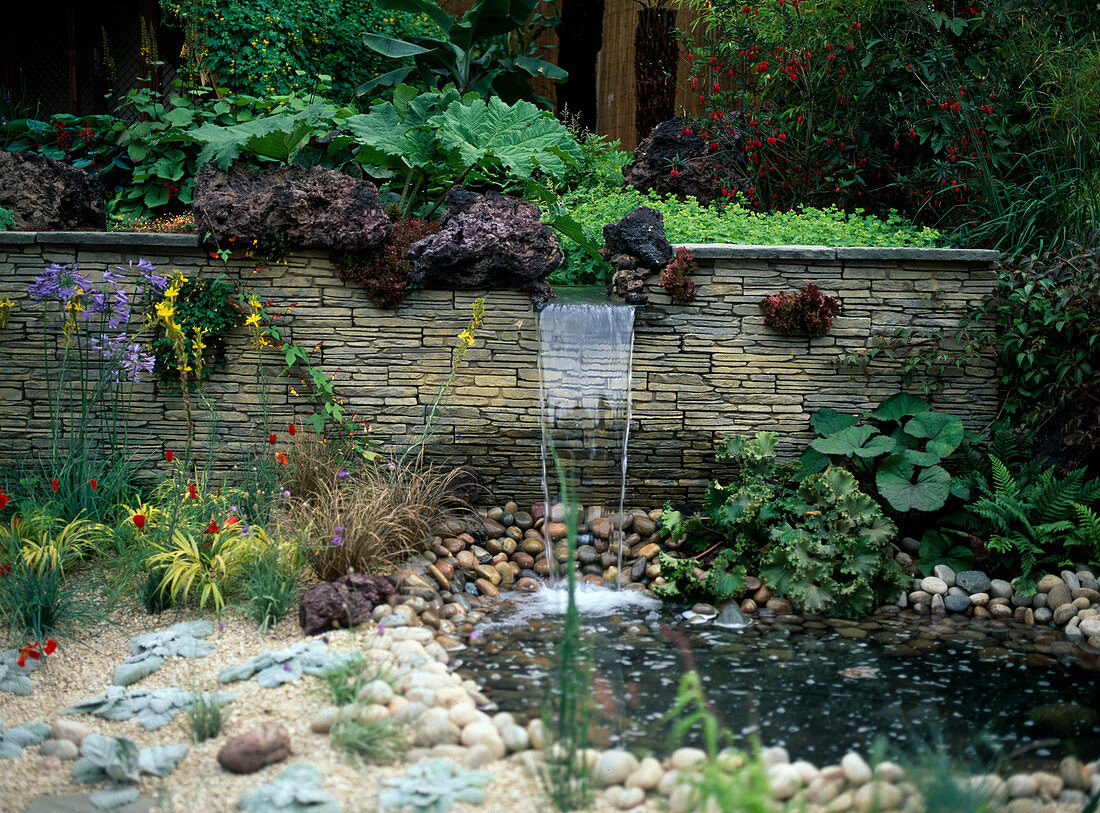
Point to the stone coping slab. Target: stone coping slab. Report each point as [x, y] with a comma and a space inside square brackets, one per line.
[731, 251]
[709, 251]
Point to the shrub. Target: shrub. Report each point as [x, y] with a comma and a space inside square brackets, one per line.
[37, 600]
[204, 716]
[7, 219]
[962, 114]
[676, 278]
[806, 312]
[1046, 312]
[384, 274]
[376, 742]
[205, 312]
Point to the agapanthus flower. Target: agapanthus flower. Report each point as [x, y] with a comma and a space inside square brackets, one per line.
[58, 282]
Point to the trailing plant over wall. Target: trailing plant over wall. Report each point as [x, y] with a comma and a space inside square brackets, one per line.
[206, 312]
[806, 312]
[384, 273]
[676, 278]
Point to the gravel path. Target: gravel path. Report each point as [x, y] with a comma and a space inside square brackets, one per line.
[83, 667]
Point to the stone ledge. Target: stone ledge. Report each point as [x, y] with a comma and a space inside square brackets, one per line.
[731, 251]
[16, 238]
[116, 238]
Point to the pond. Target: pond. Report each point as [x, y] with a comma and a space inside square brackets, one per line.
[818, 687]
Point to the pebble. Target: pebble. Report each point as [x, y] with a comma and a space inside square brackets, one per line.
[999, 588]
[956, 603]
[685, 758]
[1020, 785]
[972, 581]
[856, 770]
[63, 750]
[614, 767]
[877, 796]
[933, 585]
[784, 781]
[944, 574]
[626, 798]
[1090, 627]
[69, 730]
[647, 776]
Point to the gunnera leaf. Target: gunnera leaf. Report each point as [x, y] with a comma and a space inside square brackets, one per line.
[862, 441]
[944, 432]
[909, 489]
[828, 421]
[900, 406]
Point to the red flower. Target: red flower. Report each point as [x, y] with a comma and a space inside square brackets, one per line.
[54, 484]
[5, 570]
[761, 67]
[139, 521]
[212, 528]
[272, 439]
[193, 492]
[95, 484]
[292, 430]
[280, 458]
[168, 455]
[29, 650]
[4, 500]
[51, 645]
[230, 521]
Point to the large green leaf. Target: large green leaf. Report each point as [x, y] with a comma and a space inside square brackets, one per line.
[900, 406]
[828, 421]
[387, 140]
[862, 441]
[944, 432]
[908, 489]
[391, 48]
[519, 136]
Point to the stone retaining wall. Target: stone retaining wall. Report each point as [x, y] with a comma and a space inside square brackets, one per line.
[701, 371]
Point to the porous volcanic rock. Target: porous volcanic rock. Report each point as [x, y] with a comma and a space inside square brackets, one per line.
[486, 241]
[641, 234]
[698, 168]
[315, 208]
[263, 745]
[48, 195]
[345, 602]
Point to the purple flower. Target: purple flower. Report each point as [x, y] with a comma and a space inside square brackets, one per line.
[286, 667]
[338, 540]
[381, 628]
[473, 635]
[221, 625]
[233, 509]
[341, 474]
[58, 282]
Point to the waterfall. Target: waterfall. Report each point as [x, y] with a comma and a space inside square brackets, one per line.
[585, 353]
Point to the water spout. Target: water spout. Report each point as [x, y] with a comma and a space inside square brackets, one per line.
[585, 366]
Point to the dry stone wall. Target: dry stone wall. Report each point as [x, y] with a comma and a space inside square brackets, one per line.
[701, 371]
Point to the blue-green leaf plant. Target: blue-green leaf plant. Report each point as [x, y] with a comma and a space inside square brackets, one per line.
[153, 708]
[297, 789]
[13, 740]
[273, 669]
[433, 787]
[896, 452]
[123, 763]
[13, 677]
[150, 649]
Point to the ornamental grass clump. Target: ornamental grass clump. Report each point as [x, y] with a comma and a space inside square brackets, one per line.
[373, 519]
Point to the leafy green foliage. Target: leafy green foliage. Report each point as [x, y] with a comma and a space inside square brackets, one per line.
[286, 46]
[153, 708]
[7, 219]
[723, 580]
[433, 140]
[937, 548]
[898, 452]
[1039, 522]
[38, 601]
[1047, 315]
[688, 222]
[202, 304]
[835, 555]
[273, 669]
[476, 52]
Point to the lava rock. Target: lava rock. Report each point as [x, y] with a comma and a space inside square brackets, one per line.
[315, 208]
[699, 170]
[973, 581]
[489, 241]
[345, 602]
[642, 234]
[263, 745]
[48, 195]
